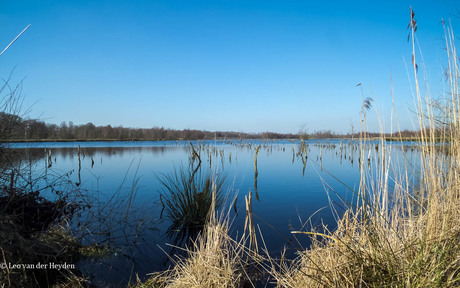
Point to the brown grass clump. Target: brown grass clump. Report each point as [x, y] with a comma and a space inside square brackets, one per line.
[372, 255]
[211, 263]
[214, 260]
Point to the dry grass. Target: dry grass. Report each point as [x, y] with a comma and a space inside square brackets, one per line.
[214, 260]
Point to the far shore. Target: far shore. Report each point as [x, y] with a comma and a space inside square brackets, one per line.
[392, 139]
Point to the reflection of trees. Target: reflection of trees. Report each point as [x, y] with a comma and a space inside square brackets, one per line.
[16, 156]
[35, 154]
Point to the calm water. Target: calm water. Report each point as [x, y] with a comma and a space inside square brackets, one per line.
[119, 180]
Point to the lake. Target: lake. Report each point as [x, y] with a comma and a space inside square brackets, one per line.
[121, 181]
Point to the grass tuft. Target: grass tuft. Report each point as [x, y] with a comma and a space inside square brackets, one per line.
[187, 196]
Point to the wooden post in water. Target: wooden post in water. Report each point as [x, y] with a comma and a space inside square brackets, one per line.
[79, 167]
[256, 173]
[50, 161]
[321, 157]
[304, 157]
[46, 162]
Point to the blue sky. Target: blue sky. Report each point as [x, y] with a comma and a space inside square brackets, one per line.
[249, 66]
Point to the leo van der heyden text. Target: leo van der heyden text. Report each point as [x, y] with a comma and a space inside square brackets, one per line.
[38, 265]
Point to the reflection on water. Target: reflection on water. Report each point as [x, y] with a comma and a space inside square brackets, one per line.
[293, 182]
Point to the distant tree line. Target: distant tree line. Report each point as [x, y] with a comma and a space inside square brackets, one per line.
[17, 128]
[31, 129]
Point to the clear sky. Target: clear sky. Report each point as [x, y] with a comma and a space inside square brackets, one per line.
[239, 65]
